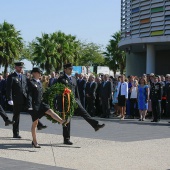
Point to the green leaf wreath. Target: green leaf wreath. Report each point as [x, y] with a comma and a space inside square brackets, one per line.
[69, 106]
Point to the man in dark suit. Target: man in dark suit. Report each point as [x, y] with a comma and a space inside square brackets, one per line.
[106, 89]
[81, 83]
[156, 92]
[71, 82]
[98, 101]
[91, 95]
[52, 80]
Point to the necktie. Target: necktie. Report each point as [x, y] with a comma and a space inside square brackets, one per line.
[104, 84]
[39, 83]
[70, 78]
[19, 76]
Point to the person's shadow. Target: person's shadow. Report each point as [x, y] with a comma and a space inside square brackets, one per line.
[27, 146]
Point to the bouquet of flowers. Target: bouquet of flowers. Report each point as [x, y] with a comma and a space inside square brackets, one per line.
[67, 103]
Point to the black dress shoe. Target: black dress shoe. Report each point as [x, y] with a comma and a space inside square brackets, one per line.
[99, 127]
[17, 136]
[153, 121]
[41, 127]
[67, 142]
[9, 122]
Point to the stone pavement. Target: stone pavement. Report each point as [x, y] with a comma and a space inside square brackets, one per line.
[124, 145]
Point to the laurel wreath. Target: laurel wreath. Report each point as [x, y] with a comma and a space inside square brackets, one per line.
[69, 105]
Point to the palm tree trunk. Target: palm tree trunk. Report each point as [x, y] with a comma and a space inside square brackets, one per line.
[5, 68]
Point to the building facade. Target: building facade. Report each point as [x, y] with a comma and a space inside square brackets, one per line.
[145, 36]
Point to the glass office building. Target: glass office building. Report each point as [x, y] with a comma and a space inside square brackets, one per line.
[145, 36]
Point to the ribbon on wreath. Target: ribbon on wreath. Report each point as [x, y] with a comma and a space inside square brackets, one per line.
[66, 93]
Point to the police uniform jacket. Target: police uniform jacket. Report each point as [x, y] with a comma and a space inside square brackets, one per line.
[167, 89]
[35, 95]
[156, 91]
[72, 84]
[16, 89]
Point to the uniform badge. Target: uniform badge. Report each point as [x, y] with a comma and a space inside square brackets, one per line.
[16, 79]
[36, 85]
[66, 81]
[156, 87]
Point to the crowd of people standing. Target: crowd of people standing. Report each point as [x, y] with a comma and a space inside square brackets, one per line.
[126, 97]
[96, 95]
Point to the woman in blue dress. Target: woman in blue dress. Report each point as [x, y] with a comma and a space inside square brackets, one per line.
[143, 97]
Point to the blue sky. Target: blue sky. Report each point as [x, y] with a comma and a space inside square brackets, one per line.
[90, 20]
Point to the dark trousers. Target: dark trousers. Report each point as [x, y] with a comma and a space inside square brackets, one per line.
[2, 100]
[168, 108]
[83, 113]
[82, 99]
[91, 109]
[133, 107]
[163, 106]
[3, 114]
[17, 108]
[98, 106]
[156, 110]
[106, 106]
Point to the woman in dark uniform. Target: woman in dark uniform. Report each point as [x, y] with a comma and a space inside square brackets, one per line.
[36, 105]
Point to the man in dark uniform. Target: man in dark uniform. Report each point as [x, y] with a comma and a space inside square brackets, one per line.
[71, 82]
[167, 94]
[81, 83]
[2, 91]
[2, 101]
[17, 94]
[91, 95]
[156, 92]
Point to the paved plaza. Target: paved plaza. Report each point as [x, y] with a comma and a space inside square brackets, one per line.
[121, 145]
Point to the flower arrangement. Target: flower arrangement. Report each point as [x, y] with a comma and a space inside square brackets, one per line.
[61, 99]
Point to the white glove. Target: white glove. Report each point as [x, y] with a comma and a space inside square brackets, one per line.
[30, 108]
[11, 102]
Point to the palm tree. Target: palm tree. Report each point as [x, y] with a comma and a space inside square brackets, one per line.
[67, 48]
[11, 45]
[115, 58]
[52, 50]
[44, 52]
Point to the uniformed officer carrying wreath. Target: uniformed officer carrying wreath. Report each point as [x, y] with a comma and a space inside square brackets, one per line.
[72, 85]
[156, 92]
